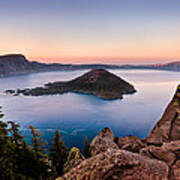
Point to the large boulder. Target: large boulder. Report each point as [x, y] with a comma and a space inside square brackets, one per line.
[175, 171]
[159, 153]
[118, 164]
[173, 146]
[130, 143]
[103, 142]
[168, 128]
[100, 145]
[106, 133]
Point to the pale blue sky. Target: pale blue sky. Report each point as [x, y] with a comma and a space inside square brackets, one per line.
[91, 30]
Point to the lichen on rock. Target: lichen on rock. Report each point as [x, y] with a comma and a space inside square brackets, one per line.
[74, 158]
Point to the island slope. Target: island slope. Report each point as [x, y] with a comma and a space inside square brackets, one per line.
[97, 82]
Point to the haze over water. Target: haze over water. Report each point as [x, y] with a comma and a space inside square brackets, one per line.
[77, 115]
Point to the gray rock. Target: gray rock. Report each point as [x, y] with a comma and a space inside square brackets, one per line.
[159, 153]
[118, 164]
[168, 127]
[100, 144]
[130, 143]
[106, 133]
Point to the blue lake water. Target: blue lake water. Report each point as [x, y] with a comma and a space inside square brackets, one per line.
[77, 116]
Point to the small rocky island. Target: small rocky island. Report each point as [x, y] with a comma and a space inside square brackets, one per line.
[97, 82]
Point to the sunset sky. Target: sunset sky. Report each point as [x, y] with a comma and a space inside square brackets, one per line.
[91, 31]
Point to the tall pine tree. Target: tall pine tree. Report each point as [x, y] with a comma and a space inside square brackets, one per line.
[7, 161]
[16, 136]
[58, 153]
[40, 158]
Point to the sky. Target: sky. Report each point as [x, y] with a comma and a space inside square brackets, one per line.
[91, 31]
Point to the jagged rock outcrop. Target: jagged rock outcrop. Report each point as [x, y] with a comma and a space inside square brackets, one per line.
[153, 159]
[130, 143]
[74, 158]
[108, 161]
[160, 153]
[118, 164]
[102, 143]
[175, 171]
[106, 133]
[168, 128]
[169, 153]
[173, 146]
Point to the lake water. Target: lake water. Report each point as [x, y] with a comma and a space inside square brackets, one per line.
[77, 116]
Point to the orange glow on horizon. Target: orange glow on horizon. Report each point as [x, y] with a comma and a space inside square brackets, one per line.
[137, 50]
[105, 60]
[96, 59]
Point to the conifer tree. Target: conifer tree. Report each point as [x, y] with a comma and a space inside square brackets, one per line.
[40, 159]
[87, 148]
[6, 151]
[58, 153]
[3, 131]
[18, 161]
[16, 136]
[37, 142]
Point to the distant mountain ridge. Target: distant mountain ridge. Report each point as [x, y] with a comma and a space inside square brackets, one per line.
[13, 64]
[18, 64]
[172, 66]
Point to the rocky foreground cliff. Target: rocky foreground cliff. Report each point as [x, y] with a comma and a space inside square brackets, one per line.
[129, 158]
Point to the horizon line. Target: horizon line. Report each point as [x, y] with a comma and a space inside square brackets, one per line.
[96, 59]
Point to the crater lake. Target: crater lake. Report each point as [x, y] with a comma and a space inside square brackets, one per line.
[77, 116]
